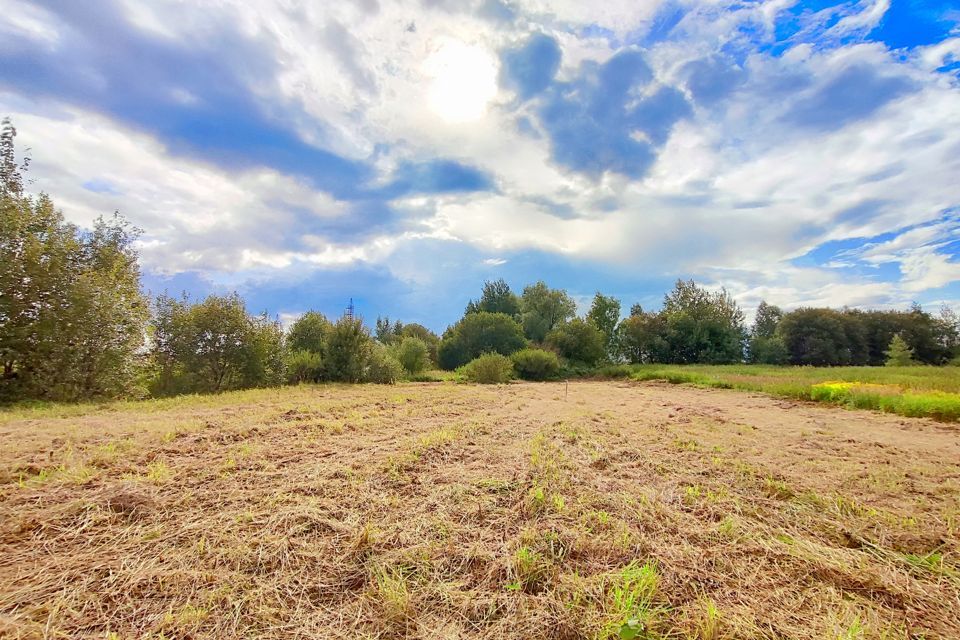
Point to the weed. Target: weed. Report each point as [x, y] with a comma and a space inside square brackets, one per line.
[158, 472]
[932, 562]
[529, 570]
[691, 495]
[392, 591]
[727, 527]
[709, 626]
[630, 602]
[777, 489]
[854, 631]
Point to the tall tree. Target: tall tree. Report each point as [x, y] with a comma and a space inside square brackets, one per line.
[310, 332]
[543, 308]
[71, 311]
[497, 297]
[765, 346]
[768, 317]
[641, 337]
[604, 314]
[347, 349]
[702, 326]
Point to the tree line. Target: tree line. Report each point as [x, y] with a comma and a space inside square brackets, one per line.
[694, 326]
[75, 324]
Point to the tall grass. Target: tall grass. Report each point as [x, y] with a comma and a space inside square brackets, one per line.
[916, 391]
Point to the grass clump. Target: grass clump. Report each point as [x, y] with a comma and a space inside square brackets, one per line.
[709, 625]
[536, 364]
[530, 571]
[490, 368]
[630, 602]
[392, 592]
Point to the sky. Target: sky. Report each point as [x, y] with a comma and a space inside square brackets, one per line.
[401, 153]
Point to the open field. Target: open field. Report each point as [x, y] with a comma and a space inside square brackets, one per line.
[916, 391]
[588, 510]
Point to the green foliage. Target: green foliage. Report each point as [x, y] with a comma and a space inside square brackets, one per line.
[767, 350]
[536, 364]
[767, 320]
[387, 333]
[213, 346]
[304, 366]
[702, 326]
[380, 366]
[413, 355]
[578, 341]
[631, 602]
[823, 337]
[478, 333]
[309, 333]
[641, 337]
[497, 297]
[604, 314]
[347, 349]
[766, 347]
[543, 308]
[827, 337]
[429, 338]
[71, 311]
[489, 368]
[899, 354]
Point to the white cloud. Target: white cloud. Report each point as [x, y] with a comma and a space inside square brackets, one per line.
[864, 20]
[738, 190]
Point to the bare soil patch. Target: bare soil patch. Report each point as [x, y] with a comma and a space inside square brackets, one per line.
[456, 511]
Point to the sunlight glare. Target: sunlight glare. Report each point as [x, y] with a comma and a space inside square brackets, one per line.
[463, 80]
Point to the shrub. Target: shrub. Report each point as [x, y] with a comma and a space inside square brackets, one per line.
[535, 364]
[413, 354]
[347, 345]
[490, 368]
[579, 342]
[304, 366]
[479, 333]
[381, 367]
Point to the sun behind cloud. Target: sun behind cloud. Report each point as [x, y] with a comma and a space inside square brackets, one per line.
[463, 81]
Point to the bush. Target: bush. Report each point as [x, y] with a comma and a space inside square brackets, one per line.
[579, 342]
[490, 368]
[381, 367]
[479, 333]
[347, 345]
[535, 364]
[304, 366]
[413, 354]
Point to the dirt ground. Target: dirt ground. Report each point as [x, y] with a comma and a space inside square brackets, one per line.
[458, 511]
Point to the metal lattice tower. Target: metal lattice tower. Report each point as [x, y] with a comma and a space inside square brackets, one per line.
[349, 312]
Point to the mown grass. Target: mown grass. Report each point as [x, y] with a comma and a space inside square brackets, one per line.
[527, 511]
[919, 391]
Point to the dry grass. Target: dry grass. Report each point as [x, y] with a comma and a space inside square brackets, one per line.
[452, 511]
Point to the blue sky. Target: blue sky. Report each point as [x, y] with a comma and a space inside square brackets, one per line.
[400, 153]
